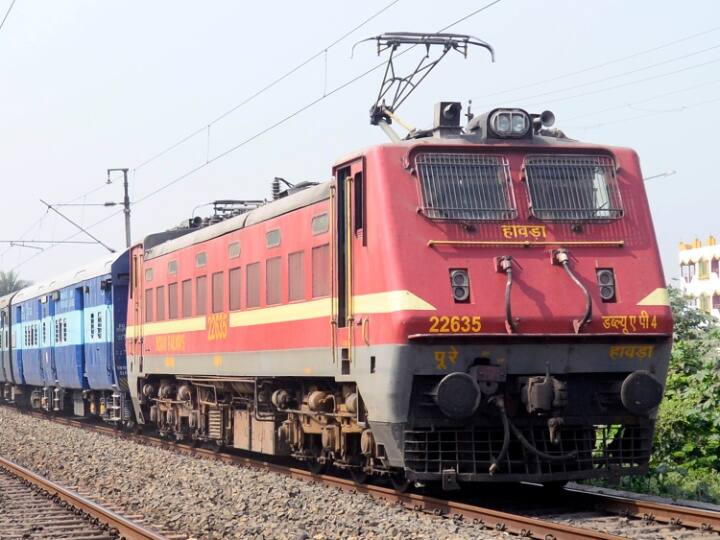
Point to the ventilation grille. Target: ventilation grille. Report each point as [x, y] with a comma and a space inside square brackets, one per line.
[466, 187]
[472, 451]
[573, 188]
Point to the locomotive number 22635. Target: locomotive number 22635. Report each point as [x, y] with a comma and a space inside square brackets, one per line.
[454, 324]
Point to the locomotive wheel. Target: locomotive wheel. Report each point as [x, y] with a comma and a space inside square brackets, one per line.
[359, 476]
[399, 481]
[314, 466]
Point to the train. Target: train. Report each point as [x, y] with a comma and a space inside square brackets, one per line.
[470, 304]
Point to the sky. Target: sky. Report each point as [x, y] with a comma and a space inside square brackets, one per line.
[90, 85]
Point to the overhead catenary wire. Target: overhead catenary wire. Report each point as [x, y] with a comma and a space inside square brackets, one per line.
[298, 111]
[602, 64]
[273, 83]
[619, 75]
[644, 100]
[649, 114]
[626, 84]
[7, 14]
[261, 132]
[206, 127]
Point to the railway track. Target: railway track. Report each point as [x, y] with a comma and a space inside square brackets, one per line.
[572, 514]
[34, 507]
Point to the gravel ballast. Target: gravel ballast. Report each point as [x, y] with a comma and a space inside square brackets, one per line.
[204, 499]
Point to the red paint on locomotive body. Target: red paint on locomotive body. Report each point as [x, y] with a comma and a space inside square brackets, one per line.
[543, 298]
[392, 254]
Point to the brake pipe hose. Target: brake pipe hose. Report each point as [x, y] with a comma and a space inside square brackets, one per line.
[500, 404]
[539, 453]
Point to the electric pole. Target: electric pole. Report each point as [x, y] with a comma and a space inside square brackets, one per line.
[126, 202]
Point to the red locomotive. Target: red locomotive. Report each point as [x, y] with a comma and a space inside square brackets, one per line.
[477, 303]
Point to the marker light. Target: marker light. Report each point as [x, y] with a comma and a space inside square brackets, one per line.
[606, 282]
[460, 284]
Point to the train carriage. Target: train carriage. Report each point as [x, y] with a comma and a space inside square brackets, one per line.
[63, 354]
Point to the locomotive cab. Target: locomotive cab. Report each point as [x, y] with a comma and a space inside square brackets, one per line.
[528, 332]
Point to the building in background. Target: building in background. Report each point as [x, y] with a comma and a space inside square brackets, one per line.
[700, 273]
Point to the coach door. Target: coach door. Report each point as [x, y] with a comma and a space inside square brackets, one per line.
[348, 236]
[134, 337]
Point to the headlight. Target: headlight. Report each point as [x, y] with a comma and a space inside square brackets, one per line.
[510, 123]
[518, 124]
[503, 122]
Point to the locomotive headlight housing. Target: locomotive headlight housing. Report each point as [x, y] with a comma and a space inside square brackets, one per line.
[460, 283]
[512, 123]
[606, 283]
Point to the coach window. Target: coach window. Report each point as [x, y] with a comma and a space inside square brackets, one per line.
[100, 334]
[92, 325]
[234, 282]
[272, 238]
[187, 298]
[273, 293]
[201, 295]
[160, 301]
[172, 301]
[320, 224]
[172, 268]
[252, 287]
[234, 250]
[148, 305]
[218, 296]
[149, 274]
[296, 276]
[321, 271]
[201, 259]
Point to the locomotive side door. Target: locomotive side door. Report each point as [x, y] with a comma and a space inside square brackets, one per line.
[348, 235]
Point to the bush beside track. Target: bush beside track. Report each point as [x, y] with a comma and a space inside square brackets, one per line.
[686, 450]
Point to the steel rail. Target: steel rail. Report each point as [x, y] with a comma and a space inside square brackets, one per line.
[681, 516]
[524, 526]
[124, 527]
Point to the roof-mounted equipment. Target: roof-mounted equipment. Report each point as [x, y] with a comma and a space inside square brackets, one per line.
[395, 89]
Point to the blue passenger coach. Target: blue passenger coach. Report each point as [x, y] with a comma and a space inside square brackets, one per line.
[63, 351]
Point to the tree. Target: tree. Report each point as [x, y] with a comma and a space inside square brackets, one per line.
[686, 450]
[10, 282]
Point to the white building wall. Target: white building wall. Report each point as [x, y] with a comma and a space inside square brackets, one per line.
[700, 274]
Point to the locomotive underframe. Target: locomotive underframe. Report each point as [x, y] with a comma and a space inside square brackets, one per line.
[392, 424]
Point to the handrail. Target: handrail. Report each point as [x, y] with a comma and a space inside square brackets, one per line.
[504, 264]
[561, 257]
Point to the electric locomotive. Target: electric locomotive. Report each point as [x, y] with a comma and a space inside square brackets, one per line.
[477, 303]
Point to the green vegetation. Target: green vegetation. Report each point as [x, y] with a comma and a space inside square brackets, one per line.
[686, 451]
[10, 282]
